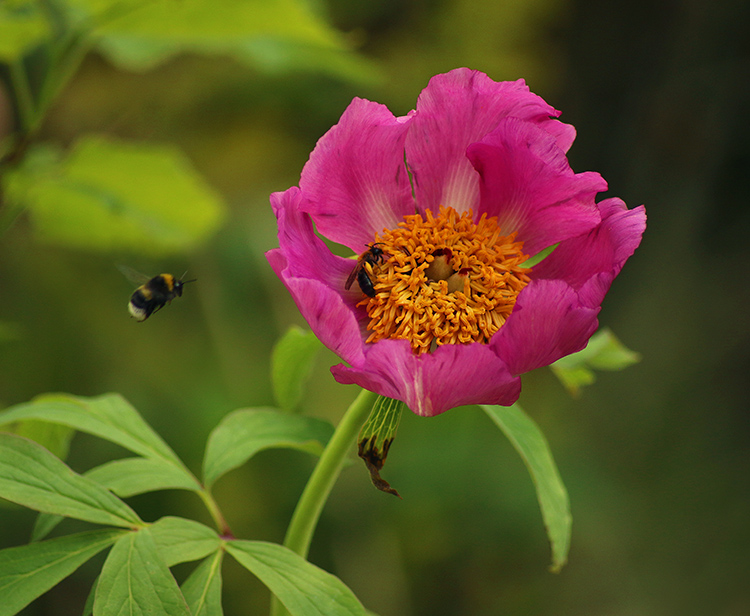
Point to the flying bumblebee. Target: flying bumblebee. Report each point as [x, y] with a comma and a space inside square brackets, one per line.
[373, 256]
[153, 294]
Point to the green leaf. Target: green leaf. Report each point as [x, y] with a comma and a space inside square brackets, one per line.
[133, 476]
[179, 540]
[22, 27]
[53, 437]
[141, 39]
[539, 257]
[243, 433]
[202, 590]
[110, 417]
[603, 352]
[110, 195]
[291, 363]
[44, 524]
[31, 476]
[28, 571]
[303, 588]
[530, 443]
[376, 436]
[136, 581]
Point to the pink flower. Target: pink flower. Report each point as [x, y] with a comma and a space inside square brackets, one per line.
[444, 206]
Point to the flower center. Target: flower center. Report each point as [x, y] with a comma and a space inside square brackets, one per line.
[443, 280]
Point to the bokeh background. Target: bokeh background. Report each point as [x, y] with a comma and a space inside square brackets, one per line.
[655, 458]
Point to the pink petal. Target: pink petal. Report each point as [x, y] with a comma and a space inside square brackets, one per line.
[306, 254]
[603, 250]
[527, 183]
[356, 182]
[315, 278]
[430, 384]
[455, 110]
[549, 321]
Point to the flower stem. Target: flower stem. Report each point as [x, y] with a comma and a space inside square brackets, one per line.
[310, 505]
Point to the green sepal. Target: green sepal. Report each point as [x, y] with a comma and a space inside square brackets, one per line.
[376, 436]
[603, 352]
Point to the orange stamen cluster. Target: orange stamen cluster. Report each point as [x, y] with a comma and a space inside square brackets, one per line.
[444, 280]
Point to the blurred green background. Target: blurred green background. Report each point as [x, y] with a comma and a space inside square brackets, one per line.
[655, 458]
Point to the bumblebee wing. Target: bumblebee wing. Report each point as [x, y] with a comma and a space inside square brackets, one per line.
[350, 280]
[133, 276]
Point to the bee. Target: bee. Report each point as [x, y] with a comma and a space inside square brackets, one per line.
[153, 294]
[373, 256]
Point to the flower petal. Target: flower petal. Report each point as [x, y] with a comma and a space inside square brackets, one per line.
[603, 250]
[527, 183]
[356, 182]
[549, 321]
[455, 110]
[430, 384]
[315, 278]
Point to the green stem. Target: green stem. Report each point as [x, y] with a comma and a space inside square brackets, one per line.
[216, 515]
[310, 505]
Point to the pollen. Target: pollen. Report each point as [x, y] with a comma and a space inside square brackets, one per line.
[444, 279]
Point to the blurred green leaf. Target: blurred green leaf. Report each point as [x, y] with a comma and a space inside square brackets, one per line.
[31, 476]
[202, 590]
[52, 436]
[180, 540]
[22, 26]
[111, 195]
[28, 571]
[303, 588]
[245, 432]
[530, 443]
[603, 352]
[136, 581]
[110, 417]
[291, 362]
[133, 476]
[269, 34]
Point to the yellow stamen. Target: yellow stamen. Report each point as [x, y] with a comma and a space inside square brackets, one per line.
[444, 280]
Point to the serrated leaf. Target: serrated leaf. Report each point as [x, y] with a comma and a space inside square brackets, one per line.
[291, 362]
[531, 445]
[245, 432]
[109, 416]
[180, 540]
[133, 476]
[112, 195]
[136, 581]
[21, 29]
[202, 590]
[28, 571]
[603, 352]
[303, 588]
[31, 476]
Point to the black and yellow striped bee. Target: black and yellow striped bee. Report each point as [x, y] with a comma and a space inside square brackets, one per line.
[153, 294]
[373, 255]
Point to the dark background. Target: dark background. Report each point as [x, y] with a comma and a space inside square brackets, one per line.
[655, 457]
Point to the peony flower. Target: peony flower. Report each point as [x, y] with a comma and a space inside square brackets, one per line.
[444, 207]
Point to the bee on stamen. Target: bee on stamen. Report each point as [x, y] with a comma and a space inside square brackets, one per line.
[373, 256]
